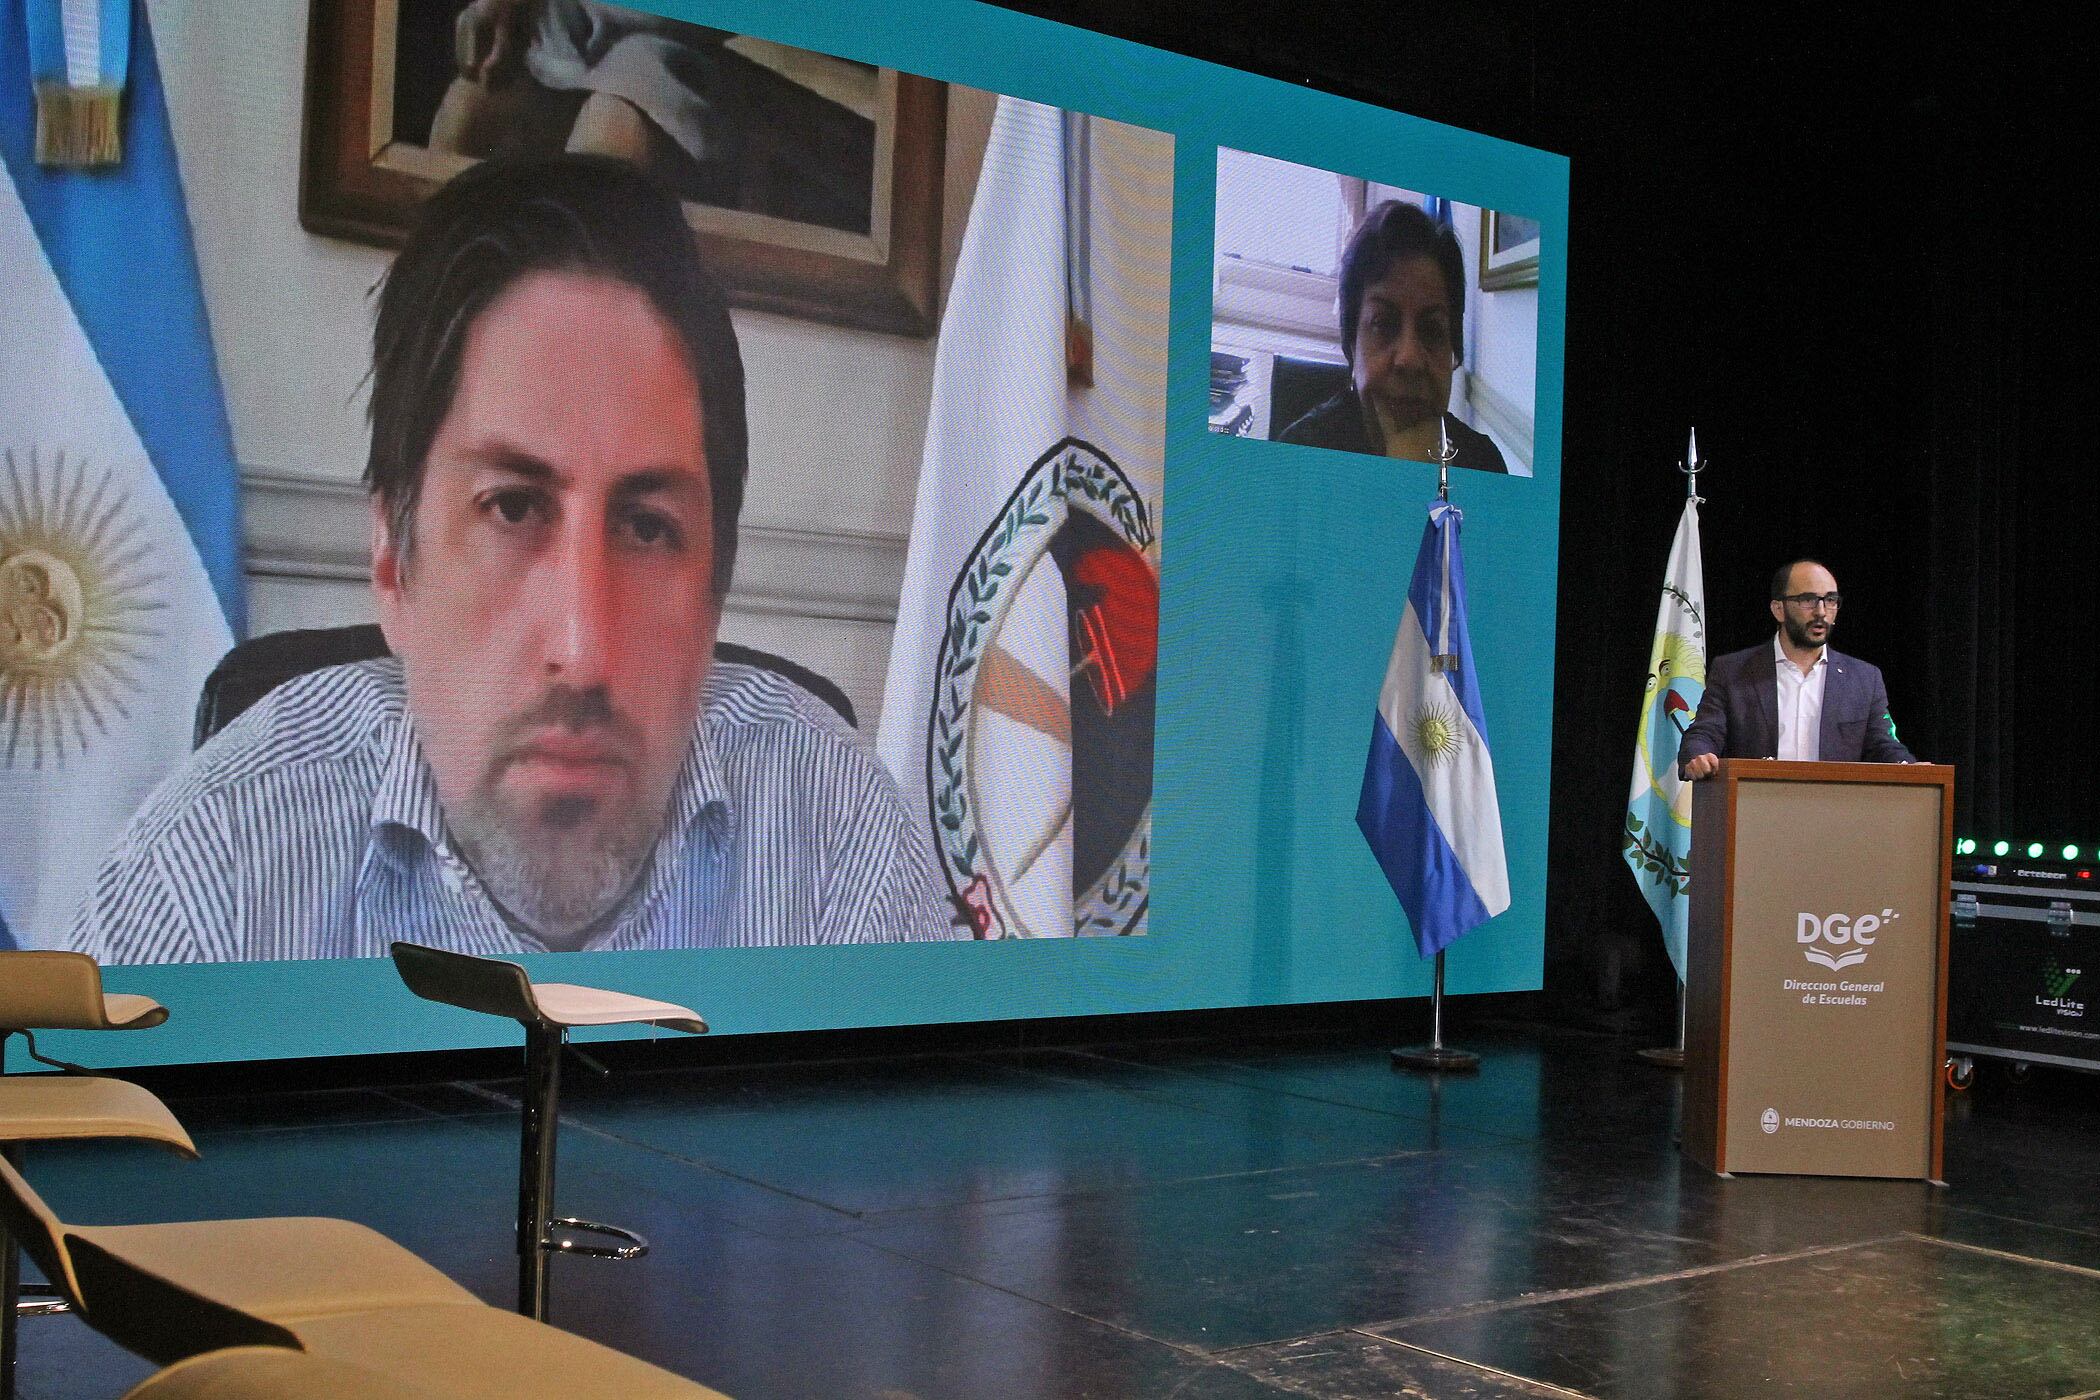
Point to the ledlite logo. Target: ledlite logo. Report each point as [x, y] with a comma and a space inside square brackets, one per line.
[1848, 935]
[2057, 981]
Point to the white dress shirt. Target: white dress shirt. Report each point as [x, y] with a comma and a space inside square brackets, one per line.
[1800, 704]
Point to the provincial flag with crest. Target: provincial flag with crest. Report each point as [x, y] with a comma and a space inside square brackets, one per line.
[120, 581]
[1428, 805]
[1657, 842]
[1017, 715]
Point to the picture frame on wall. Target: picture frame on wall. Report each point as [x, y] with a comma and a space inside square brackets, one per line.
[1509, 251]
[812, 182]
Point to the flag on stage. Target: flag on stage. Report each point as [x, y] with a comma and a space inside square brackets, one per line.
[1017, 713]
[120, 583]
[1657, 842]
[1428, 806]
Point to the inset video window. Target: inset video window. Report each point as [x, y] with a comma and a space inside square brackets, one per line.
[1366, 317]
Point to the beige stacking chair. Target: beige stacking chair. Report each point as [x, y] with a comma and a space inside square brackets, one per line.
[63, 991]
[275, 1272]
[339, 1293]
[547, 1011]
[271, 1373]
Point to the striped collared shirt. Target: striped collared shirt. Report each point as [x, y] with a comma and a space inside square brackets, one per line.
[311, 828]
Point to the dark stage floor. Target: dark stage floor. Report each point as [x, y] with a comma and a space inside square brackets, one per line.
[1245, 1219]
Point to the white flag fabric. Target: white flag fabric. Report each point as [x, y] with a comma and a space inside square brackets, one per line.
[119, 529]
[1657, 841]
[1017, 714]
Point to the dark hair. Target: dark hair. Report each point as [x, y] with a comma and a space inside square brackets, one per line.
[1785, 572]
[497, 223]
[1390, 233]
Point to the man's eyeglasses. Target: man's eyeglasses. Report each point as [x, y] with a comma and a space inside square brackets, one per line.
[1807, 602]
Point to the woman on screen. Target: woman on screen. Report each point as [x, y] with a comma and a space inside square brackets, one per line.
[1403, 314]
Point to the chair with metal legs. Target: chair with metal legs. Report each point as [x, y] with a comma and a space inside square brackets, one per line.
[63, 991]
[331, 1290]
[547, 1010]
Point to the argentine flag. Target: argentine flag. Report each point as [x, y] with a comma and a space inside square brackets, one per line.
[1428, 806]
[120, 583]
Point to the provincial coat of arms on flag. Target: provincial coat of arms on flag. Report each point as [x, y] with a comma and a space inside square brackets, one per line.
[1075, 510]
[1657, 839]
[1018, 709]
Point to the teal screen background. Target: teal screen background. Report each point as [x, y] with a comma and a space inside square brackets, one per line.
[1284, 574]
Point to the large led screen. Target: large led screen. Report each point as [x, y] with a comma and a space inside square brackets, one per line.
[831, 519]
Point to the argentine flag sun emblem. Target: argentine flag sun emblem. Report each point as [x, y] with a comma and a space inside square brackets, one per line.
[79, 600]
[1438, 732]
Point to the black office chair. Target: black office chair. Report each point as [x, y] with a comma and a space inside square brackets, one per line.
[259, 665]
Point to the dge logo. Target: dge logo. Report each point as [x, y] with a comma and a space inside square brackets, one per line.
[1839, 941]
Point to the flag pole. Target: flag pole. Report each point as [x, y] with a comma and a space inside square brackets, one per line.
[1436, 1055]
[1672, 1056]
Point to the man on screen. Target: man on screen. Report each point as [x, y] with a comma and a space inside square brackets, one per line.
[549, 760]
[1795, 698]
[1403, 311]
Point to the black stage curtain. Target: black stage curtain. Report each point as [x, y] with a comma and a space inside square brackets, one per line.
[1846, 246]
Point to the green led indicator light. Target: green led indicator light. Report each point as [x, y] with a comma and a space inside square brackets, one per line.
[2070, 853]
[2034, 849]
[1965, 847]
[2002, 848]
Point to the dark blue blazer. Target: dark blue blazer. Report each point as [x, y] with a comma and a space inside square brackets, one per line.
[1739, 713]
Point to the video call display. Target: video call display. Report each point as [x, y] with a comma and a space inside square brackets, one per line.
[704, 488]
[1354, 315]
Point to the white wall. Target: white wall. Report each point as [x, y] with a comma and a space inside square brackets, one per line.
[837, 415]
[1502, 349]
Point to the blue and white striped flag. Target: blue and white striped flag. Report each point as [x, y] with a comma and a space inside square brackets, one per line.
[1428, 806]
[120, 582]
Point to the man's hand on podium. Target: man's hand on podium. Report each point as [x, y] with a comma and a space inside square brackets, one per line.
[1701, 765]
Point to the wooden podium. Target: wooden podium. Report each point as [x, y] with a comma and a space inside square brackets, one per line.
[1816, 992]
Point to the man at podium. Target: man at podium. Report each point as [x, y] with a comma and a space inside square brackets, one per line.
[1794, 699]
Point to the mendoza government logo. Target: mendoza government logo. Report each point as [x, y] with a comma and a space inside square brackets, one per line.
[78, 594]
[1076, 510]
[1848, 937]
[1770, 1121]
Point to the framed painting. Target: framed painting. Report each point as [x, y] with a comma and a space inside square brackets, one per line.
[1509, 251]
[812, 183]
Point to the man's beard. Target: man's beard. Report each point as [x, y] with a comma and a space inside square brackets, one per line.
[549, 876]
[558, 864]
[1797, 633]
